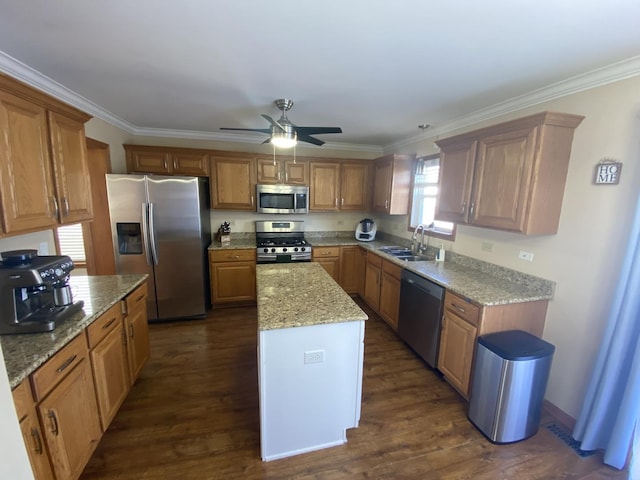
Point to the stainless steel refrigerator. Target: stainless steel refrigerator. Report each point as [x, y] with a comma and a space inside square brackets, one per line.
[161, 226]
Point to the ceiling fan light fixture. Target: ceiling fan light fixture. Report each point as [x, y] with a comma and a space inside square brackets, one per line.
[284, 139]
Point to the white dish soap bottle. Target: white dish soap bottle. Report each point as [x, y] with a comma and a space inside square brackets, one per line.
[440, 254]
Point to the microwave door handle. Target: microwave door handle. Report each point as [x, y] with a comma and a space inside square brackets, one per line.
[152, 236]
[145, 233]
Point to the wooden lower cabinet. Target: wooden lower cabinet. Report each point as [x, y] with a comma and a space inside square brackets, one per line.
[232, 274]
[463, 321]
[389, 305]
[137, 330]
[109, 360]
[372, 279]
[353, 261]
[329, 259]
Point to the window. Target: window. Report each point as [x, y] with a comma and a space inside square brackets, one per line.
[71, 242]
[423, 202]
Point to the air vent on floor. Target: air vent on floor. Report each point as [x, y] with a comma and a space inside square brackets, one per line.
[566, 437]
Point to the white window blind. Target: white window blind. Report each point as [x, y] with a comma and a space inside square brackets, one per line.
[71, 242]
[425, 192]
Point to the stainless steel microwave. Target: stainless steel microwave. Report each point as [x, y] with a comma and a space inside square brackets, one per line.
[282, 198]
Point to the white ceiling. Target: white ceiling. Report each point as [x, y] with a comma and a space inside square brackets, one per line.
[376, 68]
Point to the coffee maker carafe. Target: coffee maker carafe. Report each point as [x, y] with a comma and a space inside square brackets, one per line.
[34, 292]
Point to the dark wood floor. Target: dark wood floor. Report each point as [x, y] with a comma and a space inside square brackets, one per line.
[193, 414]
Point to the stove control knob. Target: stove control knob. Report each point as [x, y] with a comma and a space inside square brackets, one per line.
[295, 249]
[302, 249]
[59, 272]
[265, 250]
[273, 250]
[284, 249]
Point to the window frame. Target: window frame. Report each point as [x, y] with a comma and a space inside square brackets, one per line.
[432, 233]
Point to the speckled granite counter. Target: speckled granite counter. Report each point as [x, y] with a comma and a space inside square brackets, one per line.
[301, 294]
[24, 353]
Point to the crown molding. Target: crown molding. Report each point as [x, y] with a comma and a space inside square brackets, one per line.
[596, 78]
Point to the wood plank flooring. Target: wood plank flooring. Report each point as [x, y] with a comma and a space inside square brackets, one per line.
[193, 414]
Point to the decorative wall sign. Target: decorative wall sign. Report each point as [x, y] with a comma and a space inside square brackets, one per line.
[607, 172]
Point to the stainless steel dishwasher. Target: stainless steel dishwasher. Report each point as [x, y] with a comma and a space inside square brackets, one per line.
[420, 318]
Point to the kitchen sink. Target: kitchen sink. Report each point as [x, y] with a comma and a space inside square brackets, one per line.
[413, 258]
[402, 253]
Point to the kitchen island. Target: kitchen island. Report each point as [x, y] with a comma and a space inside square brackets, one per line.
[310, 358]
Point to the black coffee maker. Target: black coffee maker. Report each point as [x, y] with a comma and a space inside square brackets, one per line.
[34, 291]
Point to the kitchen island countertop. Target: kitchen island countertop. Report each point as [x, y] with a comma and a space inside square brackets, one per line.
[301, 294]
[24, 353]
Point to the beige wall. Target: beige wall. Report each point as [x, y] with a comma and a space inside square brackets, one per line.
[584, 258]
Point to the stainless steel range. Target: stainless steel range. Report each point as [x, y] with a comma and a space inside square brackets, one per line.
[281, 241]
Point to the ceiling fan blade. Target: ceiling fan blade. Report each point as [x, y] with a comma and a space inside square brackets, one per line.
[261, 130]
[308, 139]
[317, 130]
[273, 122]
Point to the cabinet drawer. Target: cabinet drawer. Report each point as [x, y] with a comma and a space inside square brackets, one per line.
[57, 367]
[137, 297]
[22, 399]
[103, 326]
[462, 308]
[324, 252]
[237, 255]
[392, 269]
[374, 260]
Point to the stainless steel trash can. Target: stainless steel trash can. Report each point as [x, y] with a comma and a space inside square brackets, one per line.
[509, 382]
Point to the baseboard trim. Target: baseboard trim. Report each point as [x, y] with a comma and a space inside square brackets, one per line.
[559, 416]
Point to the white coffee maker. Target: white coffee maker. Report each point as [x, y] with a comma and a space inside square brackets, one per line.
[366, 230]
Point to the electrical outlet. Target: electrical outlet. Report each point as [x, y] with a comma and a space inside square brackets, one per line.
[314, 356]
[340, 222]
[395, 226]
[487, 247]
[526, 256]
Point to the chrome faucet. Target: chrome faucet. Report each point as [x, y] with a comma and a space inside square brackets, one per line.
[415, 235]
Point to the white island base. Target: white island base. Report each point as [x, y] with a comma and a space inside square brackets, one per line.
[310, 381]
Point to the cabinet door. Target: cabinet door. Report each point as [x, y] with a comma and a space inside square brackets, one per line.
[111, 373]
[196, 164]
[372, 286]
[456, 176]
[233, 183]
[141, 161]
[354, 187]
[233, 282]
[26, 176]
[323, 190]
[389, 299]
[296, 173]
[137, 339]
[352, 265]
[69, 415]
[383, 172]
[73, 182]
[268, 171]
[331, 265]
[457, 344]
[502, 179]
[36, 448]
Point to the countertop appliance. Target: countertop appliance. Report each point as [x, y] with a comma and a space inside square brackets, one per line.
[161, 226]
[286, 199]
[281, 241]
[366, 230]
[420, 316]
[34, 292]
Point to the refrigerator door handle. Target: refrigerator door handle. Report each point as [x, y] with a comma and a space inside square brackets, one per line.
[145, 233]
[152, 236]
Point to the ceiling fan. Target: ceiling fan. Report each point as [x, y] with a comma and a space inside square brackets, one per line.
[285, 134]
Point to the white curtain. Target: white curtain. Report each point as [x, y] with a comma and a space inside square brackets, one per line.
[611, 408]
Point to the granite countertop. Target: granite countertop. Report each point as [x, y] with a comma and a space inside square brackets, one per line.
[24, 353]
[481, 282]
[301, 294]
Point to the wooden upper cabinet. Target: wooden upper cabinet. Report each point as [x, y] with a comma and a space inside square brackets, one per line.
[354, 186]
[284, 171]
[324, 186]
[73, 181]
[456, 176]
[233, 182]
[392, 184]
[26, 176]
[518, 171]
[167, 160]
